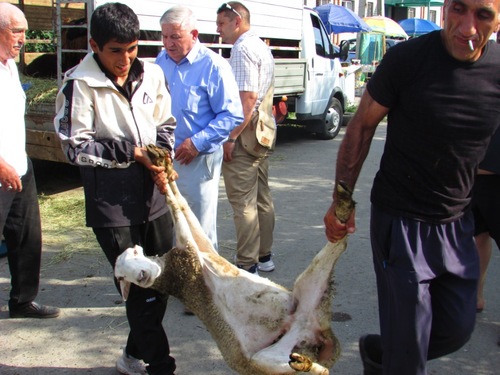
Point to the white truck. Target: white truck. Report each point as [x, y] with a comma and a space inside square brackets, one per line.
[308, 74]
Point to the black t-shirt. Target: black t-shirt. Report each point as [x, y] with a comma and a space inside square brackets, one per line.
[442, 115]
[491, 161]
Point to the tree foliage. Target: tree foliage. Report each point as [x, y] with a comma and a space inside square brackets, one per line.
[38, 35]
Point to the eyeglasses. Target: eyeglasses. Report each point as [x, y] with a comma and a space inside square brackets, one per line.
[226, 6]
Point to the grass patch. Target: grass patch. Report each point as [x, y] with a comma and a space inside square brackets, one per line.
[42, 90]
[63, 225]
[351, 108]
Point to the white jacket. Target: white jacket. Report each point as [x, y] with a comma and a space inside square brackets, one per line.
[99, 127]
[89, 109]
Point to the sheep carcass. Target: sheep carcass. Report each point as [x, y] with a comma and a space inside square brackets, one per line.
[259, 326]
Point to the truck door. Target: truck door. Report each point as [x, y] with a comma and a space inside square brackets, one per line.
[322, 69]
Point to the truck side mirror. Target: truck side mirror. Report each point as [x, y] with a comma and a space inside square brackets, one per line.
[344, 50]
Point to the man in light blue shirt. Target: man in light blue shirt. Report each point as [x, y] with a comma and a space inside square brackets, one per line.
[207, 106]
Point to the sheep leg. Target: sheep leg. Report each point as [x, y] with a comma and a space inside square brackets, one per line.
[197, 232]
[179, 207]
[275, 359]
[183, 233]
[312, 284]
[304, 364]
[311, 319]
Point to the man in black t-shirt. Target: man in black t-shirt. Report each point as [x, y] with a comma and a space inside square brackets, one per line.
[441, 93]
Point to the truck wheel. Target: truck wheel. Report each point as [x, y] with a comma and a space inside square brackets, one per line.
[332, 122]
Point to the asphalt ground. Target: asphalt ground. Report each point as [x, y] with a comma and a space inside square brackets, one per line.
[88, 336]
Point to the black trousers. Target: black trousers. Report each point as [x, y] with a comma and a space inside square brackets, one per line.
[21, 228]
[147, 339]
[486, 205]
[427, 288]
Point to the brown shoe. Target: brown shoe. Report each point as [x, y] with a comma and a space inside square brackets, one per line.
[34, 310]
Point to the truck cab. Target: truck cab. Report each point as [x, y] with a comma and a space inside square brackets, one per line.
[321, 107]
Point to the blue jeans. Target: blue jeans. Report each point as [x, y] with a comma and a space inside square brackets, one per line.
[426, 280]
[199, 183]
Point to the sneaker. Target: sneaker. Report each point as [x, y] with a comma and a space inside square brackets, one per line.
[371, 354]
[266, 264]
[129, 365]
[252, 269]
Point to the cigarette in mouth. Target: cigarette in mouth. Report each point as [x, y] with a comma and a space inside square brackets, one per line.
[471, 46]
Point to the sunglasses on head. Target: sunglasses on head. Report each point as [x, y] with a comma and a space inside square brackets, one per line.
[226, 6]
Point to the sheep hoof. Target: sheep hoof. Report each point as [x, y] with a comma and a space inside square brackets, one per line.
[345, 204]
[300, 362]
[160, 157]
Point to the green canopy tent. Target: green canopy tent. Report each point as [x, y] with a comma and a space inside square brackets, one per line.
[415, 3]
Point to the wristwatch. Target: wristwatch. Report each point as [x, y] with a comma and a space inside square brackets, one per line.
[231, 140]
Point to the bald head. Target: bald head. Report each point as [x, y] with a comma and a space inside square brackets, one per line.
[8, 12]
[13, 27]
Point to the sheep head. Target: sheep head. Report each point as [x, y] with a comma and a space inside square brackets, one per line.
[133, 267]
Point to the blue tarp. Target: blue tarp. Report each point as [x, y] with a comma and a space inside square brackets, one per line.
[418, 26]
[338, 19]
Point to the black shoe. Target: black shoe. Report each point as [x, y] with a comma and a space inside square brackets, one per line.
[371, 354]
[252, 269]
[35, 310]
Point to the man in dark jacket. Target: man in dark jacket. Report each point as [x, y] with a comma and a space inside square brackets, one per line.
[110, 107]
